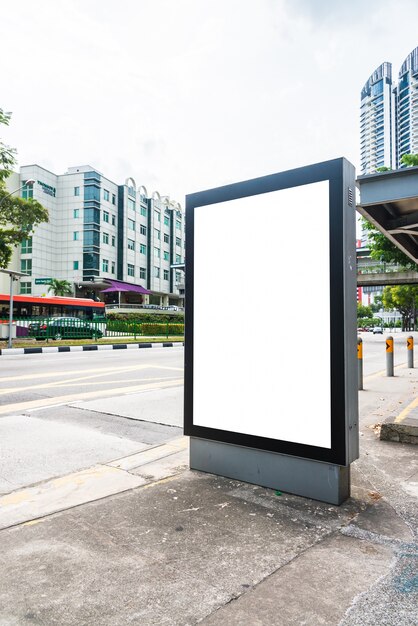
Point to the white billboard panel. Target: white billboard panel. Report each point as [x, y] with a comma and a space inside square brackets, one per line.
[261, 345]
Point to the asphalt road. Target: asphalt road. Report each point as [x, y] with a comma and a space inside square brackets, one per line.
[374, 351]
[62, 412]
[67, 411]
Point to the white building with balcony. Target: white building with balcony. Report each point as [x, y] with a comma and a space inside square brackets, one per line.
[100, 231]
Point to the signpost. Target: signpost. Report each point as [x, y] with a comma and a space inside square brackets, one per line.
[290, 237]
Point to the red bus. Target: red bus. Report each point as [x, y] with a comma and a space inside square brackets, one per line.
[30, 307]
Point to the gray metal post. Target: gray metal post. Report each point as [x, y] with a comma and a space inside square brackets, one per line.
[389, 356]
[9, 343]
[360, 362]
[410, 350]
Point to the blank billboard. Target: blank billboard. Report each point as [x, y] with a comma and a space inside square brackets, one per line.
[266, 322]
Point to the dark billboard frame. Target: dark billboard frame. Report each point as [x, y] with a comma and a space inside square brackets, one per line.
[343, 339]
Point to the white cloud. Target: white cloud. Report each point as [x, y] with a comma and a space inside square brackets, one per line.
[189, 94]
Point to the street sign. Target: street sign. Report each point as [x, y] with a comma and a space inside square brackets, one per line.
[43, 281]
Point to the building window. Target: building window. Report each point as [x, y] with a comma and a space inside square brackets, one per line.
[105, 265]
[76, 235]
[142, 272]
[131, 270]
[166, 238]
[157, 216]
[113, 240]
[25, 288]
[178, 225]
[156, 271]
[178, 241]
[106, 194]
[76, 191]
[113, 267]
[131, 224]
[166, 274]
[76, 213]
[106, 216]
[131, 204]
[144, 211]
[26, 266]
[113, 220]
[113, 198]
[105, 237]
[142, 248]
[178, 258]
[166, 255]
[157, 233]
[131, 244]
[157, 253]
[75, 265]
[27, 246]
[166, 220]
[143, 229]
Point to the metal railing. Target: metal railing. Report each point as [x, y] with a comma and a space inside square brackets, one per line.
[63, 328]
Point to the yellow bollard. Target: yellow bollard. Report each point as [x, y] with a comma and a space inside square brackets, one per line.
[389, 356]
[360, 362]
[410, 350]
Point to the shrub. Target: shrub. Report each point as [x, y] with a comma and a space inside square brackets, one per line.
[152, 318]
[162, 329]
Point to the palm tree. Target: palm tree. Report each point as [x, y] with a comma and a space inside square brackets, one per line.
[61, 287]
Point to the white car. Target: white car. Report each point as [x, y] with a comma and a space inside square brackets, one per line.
[377, 330]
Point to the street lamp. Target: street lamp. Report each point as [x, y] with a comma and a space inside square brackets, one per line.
[13, 276]
[28, 182]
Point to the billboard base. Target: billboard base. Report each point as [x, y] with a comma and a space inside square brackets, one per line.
[303, 477]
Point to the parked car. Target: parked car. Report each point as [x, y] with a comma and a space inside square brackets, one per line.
[377, 330]
[64, 328]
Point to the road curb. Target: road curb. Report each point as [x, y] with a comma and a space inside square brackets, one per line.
[87, 348]
[61, 493]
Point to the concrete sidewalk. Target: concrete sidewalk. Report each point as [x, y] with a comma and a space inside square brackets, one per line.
[143, 540]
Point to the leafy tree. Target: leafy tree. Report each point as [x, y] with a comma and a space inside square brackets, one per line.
[7, 154]
[409, 160]
[377, 304]
[18, 217]
[403, 298]
[364, 311]
[384, 169]
[61, 287]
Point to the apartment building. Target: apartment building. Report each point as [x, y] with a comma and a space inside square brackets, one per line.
[389, 116]
[100, 231]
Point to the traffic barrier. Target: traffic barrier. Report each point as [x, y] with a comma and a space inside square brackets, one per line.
[389, 356]
[410, 350]
[360, 362]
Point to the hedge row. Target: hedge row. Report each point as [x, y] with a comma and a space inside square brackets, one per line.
[145, 328]
[151, 318]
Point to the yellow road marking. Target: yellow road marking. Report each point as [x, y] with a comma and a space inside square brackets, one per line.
[106, 382]
[89, 395]
[382, 372]
[67, 383]
[103, 370]
[406, 411]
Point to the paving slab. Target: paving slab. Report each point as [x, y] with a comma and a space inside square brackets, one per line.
[162, 406]
[33, 450]
[170, 552]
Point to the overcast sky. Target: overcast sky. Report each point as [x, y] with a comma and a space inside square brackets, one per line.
[185, 95]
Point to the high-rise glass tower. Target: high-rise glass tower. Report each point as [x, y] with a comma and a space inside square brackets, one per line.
[406, 93]
[377, 121]
[389, 116]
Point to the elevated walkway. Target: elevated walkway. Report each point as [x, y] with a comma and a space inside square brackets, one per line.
[387, 278]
